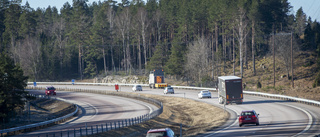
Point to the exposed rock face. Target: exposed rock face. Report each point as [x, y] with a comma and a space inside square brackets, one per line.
[121, 79]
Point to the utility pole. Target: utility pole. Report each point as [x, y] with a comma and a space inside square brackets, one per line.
[292, 61]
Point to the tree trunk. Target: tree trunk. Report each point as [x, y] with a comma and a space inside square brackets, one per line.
[216, 36]
[233, 52]
[139, 55]
[80, 63]
[104, 62]
[245, 52]
[253, 45]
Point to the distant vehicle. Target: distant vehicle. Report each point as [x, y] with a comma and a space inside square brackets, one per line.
[230, 90]
[50, 90]
[156, 79]
[168, 90]
[248, 117]
[204, 94]
[164, 132]
[137, 88]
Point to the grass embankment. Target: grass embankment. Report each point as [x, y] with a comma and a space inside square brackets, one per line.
[41, 110]
[196, 117]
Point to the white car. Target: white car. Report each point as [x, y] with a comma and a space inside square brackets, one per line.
[168, 90]
[137, 88]
[204, 94]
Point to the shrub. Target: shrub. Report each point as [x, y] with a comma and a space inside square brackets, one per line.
[259, 84]
[316, 81]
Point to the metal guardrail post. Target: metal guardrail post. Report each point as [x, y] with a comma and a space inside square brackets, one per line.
[106, 126]
[80, 132]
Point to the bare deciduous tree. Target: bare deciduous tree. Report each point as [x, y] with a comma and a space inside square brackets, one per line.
[282, 48]
[30, 56]
[122, 22]
[241, 34]
[144, 23]
[197, 64]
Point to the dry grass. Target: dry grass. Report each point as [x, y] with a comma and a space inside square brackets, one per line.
[41, 110]
[195, 117]
[305, 70]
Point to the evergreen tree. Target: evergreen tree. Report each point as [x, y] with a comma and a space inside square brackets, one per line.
[158, 60]
[11, 87]
[175, 64]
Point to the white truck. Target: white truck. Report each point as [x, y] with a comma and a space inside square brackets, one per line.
[230, 90]
[156, 79]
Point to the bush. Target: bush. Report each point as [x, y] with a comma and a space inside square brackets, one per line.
[316, 81]
[259, 84]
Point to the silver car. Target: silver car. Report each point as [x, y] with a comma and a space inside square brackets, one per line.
[168, 90]
[204, 94]
[137, 88]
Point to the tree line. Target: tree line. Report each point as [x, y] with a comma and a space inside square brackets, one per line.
[186, 38]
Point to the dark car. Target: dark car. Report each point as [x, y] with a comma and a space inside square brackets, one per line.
[248, 117]
[163, 132]
[50, 90]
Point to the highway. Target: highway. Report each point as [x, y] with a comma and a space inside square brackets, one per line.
[95, 109]
[277, 117]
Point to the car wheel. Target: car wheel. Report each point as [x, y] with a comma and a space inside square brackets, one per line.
[240, 125]
[257, 124]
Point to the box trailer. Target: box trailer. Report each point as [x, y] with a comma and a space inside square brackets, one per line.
[230, 90]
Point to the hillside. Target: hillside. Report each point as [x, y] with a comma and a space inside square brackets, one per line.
[304, 74]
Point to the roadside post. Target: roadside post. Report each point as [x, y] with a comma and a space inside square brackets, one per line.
[35, 84]
[72, 81]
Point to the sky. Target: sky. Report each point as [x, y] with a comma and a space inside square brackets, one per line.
[310, 7]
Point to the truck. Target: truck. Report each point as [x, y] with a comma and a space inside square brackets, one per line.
[230, 90]
[156, 79]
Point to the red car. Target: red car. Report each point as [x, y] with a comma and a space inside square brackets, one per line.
[50, 90]
[248, 117]
[163, 132]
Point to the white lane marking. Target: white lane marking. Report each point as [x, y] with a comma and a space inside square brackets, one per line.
[225, 127]
[309, 116]
[141, 103]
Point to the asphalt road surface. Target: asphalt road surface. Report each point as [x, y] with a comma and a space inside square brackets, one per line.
[277, 117]
[95, 109]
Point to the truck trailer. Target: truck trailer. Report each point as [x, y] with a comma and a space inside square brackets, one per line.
[156, 79]
[230, 90]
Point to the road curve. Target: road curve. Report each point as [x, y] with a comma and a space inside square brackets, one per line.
[277, 117]
[95, 109]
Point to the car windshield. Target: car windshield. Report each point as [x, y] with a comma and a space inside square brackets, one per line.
[205, 91]
[139, 86]
[247, 113]
[157, 134]
[170, 88]
[50, 88]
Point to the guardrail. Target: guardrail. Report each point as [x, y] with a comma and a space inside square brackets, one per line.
[159, 111]
[281, 97]
[98, 128]
[30, 126]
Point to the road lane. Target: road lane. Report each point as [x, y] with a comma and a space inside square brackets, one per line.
[95, 109]
[277, 117]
